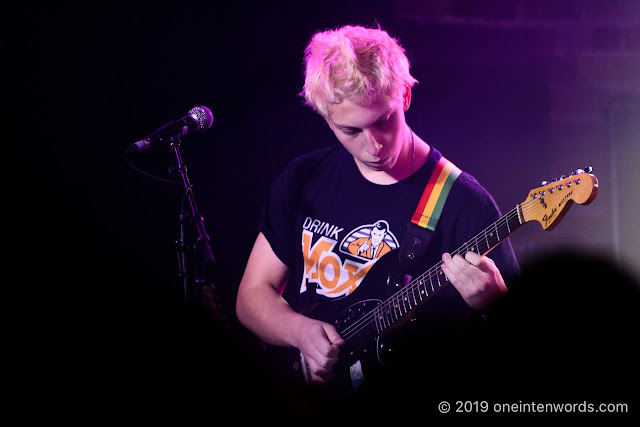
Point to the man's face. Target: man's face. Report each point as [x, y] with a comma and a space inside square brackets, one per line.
[372, 134]
[377, 236]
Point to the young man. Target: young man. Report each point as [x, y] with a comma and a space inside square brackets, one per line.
[358, 79]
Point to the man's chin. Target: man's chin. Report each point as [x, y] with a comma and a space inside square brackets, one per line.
[379, 166]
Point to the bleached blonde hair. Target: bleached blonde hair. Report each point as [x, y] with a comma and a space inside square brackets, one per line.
[353, 63]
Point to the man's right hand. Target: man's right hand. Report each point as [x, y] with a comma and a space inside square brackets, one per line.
[319, 344]
[363, 248]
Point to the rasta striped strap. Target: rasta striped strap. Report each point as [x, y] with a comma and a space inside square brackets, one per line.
[425, 218]
[435, 194]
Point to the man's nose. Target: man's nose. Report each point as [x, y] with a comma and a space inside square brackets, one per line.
[372, 146]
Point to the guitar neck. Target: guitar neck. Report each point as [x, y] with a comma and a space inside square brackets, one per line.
[424, 286]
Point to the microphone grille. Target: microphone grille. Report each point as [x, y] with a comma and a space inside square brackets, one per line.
[203, 117]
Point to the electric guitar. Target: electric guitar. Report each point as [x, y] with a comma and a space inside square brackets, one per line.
[362, 318]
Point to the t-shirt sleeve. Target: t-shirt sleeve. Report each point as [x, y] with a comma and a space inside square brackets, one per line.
[502, 255]
[472, 221]
[277, 219]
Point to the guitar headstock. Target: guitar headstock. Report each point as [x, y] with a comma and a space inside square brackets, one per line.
[548, 203]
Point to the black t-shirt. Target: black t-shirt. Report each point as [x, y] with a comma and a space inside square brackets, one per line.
[329, 224]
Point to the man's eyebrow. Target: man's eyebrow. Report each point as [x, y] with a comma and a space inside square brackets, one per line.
[378, 120]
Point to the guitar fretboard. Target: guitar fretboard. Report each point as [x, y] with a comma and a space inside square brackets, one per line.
[428, 283]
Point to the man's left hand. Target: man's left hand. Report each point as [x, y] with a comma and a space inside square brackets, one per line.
[476, 277]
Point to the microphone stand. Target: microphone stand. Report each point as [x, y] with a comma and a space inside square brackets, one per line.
[204, 262]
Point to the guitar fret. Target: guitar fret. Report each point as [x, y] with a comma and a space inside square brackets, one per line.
[422, 287]
[378, 322]
[486, 238]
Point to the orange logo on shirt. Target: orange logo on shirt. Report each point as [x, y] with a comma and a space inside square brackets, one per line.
[334, 277]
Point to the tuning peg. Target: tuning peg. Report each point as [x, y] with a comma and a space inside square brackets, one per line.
[578, 172]
[545, 183]
[588, 169]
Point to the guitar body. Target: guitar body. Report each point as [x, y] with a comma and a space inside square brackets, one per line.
[367, 350]
[369, 318]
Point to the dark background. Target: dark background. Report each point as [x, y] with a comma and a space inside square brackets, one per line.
[93, 267]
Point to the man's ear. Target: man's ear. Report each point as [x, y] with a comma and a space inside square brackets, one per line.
[406, 98]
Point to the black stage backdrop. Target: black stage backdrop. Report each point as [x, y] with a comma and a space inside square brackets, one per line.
[91, 289]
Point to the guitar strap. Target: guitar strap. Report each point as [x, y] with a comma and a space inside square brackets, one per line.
[425, 218]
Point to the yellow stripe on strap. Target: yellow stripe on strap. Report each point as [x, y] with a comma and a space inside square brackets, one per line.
[435, 194]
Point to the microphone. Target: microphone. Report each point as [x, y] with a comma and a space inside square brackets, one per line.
[198, 119]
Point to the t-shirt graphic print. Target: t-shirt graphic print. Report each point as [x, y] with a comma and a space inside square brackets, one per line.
[339, 273]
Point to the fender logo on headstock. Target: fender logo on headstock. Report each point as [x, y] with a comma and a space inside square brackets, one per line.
[548, 217]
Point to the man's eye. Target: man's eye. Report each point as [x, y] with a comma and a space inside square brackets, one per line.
[385, 121]
[351, 131]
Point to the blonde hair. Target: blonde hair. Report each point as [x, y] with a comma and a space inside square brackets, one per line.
[353, 63]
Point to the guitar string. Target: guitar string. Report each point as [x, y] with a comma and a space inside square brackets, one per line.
[391, 305]
[404, 293]
[390, 311]
[502, 228]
